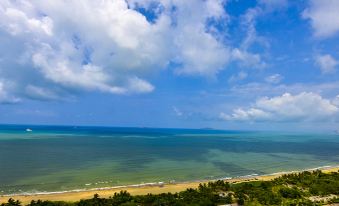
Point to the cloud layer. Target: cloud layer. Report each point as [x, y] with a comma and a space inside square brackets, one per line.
[306, 106]
[50, 48]
[324, 17]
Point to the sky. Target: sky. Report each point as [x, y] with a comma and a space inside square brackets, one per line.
[226, 64]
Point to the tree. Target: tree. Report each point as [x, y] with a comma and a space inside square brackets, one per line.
[12, 202]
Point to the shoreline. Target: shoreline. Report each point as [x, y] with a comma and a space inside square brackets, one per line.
[142, 189]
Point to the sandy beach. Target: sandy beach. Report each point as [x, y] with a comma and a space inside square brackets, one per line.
[141, 190]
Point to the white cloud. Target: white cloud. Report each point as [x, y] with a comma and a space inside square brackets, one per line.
[139, 85]
[197, 51]
[287, 107]
[326, 63]
[248, 59]
[324, 17]
[67, 46]
[274, 79]
[216, 8]
[19, 22]
[246, 115]
[103, 46]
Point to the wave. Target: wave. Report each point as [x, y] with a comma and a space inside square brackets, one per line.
[160, 184]
[85, 189]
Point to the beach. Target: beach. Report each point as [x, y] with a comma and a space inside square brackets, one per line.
[154, 188]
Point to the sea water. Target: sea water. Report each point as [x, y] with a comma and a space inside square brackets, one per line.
[63, 158]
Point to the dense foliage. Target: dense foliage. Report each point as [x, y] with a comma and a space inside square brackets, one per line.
[306, 188]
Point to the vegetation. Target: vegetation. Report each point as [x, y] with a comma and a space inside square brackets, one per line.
[306, 188]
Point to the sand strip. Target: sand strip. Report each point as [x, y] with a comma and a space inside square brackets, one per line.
[142, 190]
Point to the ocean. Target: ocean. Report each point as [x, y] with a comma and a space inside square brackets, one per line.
[63, 158]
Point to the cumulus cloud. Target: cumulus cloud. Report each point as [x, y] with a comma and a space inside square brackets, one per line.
[306, 106]
[198, 48]
[324, 17]
[326, 63]
[51, 48]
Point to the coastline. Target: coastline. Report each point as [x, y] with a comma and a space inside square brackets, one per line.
[142, 189]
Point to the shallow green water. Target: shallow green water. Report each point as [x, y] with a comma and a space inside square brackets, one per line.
[67, 158]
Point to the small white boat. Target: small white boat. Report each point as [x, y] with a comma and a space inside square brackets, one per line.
[29, 130]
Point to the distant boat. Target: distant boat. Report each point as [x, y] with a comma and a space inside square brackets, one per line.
[29, 130]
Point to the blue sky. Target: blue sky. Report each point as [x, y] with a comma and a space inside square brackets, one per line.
[228, 64]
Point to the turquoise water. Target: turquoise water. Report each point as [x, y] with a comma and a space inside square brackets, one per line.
[52, 158]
